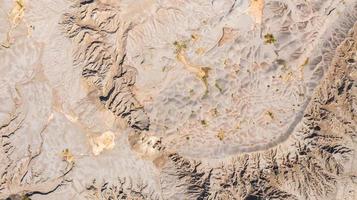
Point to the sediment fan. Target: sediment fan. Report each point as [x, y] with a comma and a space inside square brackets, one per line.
[219, 99]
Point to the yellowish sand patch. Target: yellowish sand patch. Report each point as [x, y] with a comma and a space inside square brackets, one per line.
[195, 37]
[221, 135]
[227, 35]
[160, 161]
[200, 51]
[15, 17]
[17, 12]
[302, 68]
[71, 117]
[102, 142]
[67, 156]
[256, 10]
[288, 76]
[270, 114]
[201, 72]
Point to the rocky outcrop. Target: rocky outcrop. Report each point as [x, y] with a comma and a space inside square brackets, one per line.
[120, 189]
[99, 48]
[18, 178]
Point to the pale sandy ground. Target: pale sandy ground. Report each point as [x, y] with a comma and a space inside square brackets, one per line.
[178, 99]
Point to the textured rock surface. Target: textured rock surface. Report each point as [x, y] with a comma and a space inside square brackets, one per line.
[163, 99]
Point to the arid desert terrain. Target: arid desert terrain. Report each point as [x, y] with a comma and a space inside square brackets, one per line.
[178, 99]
